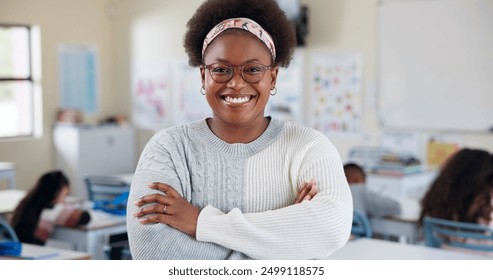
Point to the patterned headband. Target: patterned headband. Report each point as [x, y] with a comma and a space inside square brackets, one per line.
[241, 23]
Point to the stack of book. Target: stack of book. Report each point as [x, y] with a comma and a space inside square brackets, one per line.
[397, 165]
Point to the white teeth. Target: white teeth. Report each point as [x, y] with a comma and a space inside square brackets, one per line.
[237, 100]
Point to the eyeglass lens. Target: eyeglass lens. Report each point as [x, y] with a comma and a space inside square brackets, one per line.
[250, 72]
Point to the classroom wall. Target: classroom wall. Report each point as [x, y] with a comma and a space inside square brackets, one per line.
[341, 26]
[146, 29]
[60, 21]
[125, 29]
[155, 28]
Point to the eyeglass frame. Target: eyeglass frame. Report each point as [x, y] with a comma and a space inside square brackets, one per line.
[240, 67]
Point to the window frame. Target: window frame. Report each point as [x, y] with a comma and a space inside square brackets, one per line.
[33, 79]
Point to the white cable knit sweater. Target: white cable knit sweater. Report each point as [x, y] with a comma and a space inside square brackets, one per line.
[246, 194]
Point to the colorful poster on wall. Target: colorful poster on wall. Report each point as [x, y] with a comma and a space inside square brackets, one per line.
[151, 93]
[166, 92]
[336, 98]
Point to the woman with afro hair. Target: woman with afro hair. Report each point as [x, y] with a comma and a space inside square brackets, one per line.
[239, 184]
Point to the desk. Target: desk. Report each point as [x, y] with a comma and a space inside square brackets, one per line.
[9, 200]
[48, 253]
[90, 238]
[7, 172]
[407, 190]
[93, 237]
[373, 249]
[405, 186]
[405, 226]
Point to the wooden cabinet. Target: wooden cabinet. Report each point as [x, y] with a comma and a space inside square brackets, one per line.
[93, 150]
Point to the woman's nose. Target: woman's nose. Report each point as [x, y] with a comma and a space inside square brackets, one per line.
[236, 79]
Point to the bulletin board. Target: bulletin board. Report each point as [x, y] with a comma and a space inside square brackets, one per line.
[435, 64]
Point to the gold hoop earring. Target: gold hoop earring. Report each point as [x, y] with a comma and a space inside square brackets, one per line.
[273, 93]
[202, 90]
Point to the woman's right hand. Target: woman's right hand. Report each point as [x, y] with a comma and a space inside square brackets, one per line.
[168, 207]
[306, 191]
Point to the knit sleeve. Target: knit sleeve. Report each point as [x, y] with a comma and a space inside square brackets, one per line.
[160, 241]
[309, 230]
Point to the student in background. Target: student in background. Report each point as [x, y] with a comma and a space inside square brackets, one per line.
[365, 200]
[44, 207]
[230, 184]
[463, 189]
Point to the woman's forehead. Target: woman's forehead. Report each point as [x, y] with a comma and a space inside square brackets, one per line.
[237, 44]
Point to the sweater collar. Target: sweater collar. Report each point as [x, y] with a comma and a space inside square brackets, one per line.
[239, 149]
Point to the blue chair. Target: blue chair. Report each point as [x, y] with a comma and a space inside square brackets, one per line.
[361, 225]
[9, 242]
[440, 232]
[105, 187]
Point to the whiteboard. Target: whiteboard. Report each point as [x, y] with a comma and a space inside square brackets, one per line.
[435, 64]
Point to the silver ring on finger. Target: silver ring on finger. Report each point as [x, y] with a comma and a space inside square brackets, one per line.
[164, 209]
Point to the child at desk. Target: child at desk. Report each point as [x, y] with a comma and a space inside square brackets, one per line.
[365, 200]
[44, 207]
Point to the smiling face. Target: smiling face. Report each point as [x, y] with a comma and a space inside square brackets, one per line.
[238, 103]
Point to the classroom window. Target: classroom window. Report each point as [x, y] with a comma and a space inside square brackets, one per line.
[20, 90]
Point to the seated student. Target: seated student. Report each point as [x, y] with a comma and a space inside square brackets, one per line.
[365, 200]
[43, 207]
[462, 191]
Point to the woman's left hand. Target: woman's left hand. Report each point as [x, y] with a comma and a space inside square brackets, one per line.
[306, 191]
[168, 208]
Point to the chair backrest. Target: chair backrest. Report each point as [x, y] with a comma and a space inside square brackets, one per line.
[7, 232]
[361, 225]
[105, 187]
[9, 242]
[439, 233]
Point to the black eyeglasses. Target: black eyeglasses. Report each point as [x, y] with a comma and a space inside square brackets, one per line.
[250, 72]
